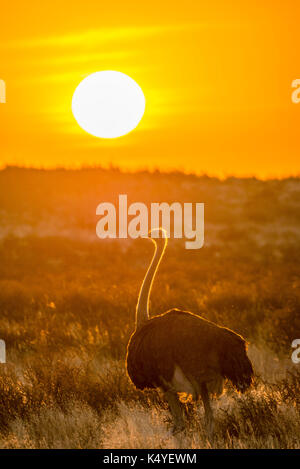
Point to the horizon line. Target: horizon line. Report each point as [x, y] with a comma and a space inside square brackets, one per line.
[115, 168]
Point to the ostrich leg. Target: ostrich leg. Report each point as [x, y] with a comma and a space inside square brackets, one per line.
[209, 418]
[176, 410]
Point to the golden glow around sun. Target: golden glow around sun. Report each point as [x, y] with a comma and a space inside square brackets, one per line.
[108, 104]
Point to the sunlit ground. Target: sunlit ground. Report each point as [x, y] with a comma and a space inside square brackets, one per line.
[67, 304]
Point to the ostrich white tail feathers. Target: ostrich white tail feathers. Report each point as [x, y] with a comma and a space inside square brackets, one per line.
[142, 308]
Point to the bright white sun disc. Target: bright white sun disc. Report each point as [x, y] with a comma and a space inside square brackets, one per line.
[108, 104]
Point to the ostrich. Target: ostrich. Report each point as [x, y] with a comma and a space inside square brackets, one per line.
[179, 352]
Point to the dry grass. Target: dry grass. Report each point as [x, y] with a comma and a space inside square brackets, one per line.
[68, 405]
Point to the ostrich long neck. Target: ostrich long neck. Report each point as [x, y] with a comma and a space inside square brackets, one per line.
[142, 308]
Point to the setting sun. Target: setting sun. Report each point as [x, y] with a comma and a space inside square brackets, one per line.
[108, 104]
[217, 78]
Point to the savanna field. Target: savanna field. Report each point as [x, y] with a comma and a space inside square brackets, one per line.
[67, 305]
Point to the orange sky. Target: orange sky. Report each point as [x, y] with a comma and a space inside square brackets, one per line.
[216, 76]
